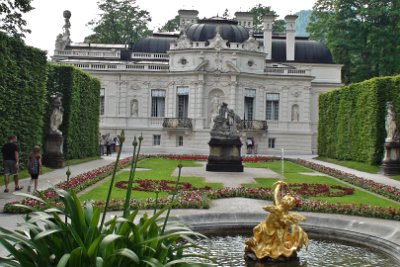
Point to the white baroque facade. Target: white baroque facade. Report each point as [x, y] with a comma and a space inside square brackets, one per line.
[169, 86]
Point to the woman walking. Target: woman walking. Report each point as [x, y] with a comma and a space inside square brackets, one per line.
[34, 167]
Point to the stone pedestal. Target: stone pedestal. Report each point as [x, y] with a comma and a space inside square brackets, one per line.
[53, 151]
[391, 160]
[225, 155]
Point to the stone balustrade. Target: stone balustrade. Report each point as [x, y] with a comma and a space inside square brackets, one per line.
[136, 55]
[87, 53]
[254, 125]
[284, 71]
[119, 66]
[177, 123]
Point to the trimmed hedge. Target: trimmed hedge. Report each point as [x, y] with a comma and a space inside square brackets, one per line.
[80, 125]
[352, 119]
[22, 93]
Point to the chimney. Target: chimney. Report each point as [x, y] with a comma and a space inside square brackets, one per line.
[187, 17]
[268, 20]
[245, 19]
[290, 36]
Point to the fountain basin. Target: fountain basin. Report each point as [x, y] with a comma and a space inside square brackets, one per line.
[377, 234]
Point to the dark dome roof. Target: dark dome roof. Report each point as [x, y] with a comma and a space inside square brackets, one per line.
[153, 44]
[305, 51]
[207, 28]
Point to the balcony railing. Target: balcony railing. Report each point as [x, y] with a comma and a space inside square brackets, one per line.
[283, 71]
[176, 123]
[254, 125]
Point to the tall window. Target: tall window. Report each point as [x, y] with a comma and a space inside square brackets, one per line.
[249, 95]
[102, 100]
[158, 103]
[156, 140]
[271, 142]
[183, 102]
[179, 141]
[272, 107]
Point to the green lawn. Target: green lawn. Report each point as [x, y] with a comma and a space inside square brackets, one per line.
[163, 168]
[160, 169]
[358, 197]
[360, 166]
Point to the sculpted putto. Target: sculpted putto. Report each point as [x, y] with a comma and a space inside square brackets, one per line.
[279, 235]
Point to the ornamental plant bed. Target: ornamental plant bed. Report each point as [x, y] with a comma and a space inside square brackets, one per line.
[381, 189]
[247, 158]
[76, 184]
[150, 185]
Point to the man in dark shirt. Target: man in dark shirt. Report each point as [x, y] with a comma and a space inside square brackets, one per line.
[11, 162]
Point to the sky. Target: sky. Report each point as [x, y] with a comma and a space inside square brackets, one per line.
[46, 20]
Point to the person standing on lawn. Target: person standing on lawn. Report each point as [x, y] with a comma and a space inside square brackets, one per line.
[34, 167]
[11, 162]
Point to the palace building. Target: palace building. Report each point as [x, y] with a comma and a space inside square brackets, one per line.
[169, 86]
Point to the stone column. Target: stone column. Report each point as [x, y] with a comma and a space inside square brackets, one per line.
[268, 20]
[290, 37]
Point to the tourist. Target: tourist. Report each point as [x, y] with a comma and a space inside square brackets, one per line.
[34, 167]
[11, 162]
[249, 144]
[117, 144]
[108, 144]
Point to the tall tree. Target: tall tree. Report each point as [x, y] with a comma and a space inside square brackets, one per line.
[11, 20]
[302, 22]
[361, 34]
[121, 21]
[258, 12]
[171, 25]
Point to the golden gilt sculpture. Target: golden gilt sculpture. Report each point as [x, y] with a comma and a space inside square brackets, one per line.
[279, 236]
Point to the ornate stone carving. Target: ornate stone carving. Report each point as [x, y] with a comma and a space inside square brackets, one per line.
[392, 133]
[217, 42]
[295, 113]
[134, 108]
[57, 111]
[183, 41]
[226, 123]
[64, 39]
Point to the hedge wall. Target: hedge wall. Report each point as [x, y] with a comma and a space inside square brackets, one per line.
[80, 125]
[352, 119]
[22, 93]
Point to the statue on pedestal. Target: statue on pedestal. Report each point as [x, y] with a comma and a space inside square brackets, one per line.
[53, 143]
[225, 142]
[56, 116]
[64, 39]
[391, 159]
[390, 123]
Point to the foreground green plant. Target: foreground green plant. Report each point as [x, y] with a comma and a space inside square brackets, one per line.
[72, 235]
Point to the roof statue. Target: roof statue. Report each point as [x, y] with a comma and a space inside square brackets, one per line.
[64, 39]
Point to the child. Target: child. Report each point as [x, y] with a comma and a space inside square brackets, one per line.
[34, 167]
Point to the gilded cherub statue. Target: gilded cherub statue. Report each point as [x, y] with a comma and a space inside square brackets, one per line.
[279, 236]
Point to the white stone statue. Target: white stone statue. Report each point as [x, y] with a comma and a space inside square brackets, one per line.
[134, 108]
[64, 39]
[56, 116]
[215, 103]
[295, 113]
[390, 123]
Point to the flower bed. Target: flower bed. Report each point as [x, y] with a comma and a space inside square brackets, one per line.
[77, 184]
[381, 189]
[150, 185]
[200, 198]
[247, 158]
